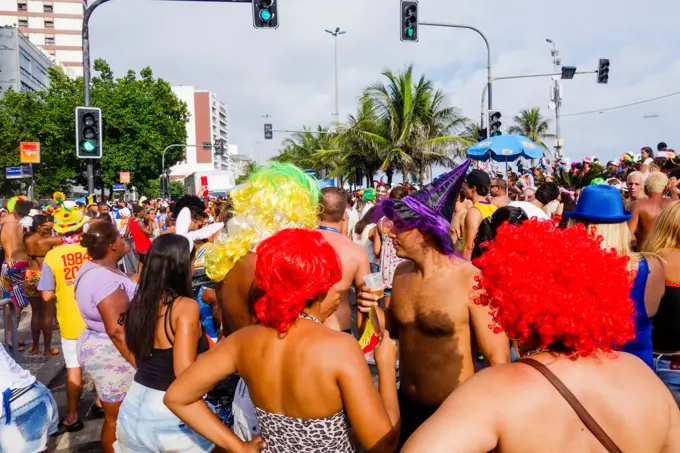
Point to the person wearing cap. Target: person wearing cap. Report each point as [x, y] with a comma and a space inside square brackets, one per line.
[601, 208]
[59, 269]
[432, 309]
[646, 211]
[476, 188]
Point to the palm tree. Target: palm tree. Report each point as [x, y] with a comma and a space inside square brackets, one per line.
[414, 123]
[531, 124]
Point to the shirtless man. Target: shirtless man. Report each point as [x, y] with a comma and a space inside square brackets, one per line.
[432, 310]
[636, 187]
[16, 260]
[513, 408]
[38, 241]
[353, 257]
[646, 211]
[499, 189]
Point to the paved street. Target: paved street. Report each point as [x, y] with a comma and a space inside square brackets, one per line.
[52, 373]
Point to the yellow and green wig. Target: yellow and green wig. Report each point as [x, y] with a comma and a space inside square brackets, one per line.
[277, 197]
[12, 202]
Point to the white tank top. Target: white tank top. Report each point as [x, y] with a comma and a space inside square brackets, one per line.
[366, 243]
[12, 376]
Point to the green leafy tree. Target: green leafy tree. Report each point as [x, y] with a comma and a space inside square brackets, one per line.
[249, 170]
[141, 116]
[533, 125]
[152, 189]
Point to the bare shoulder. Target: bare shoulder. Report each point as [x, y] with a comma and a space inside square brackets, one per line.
[404, 268]
[186, 306]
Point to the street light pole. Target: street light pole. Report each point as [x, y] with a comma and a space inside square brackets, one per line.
[86, 78]
[488, 59]
[557, 97]
[335, 34]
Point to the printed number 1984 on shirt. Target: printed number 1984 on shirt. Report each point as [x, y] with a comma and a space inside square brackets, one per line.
[72, 262]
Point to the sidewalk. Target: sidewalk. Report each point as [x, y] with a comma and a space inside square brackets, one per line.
[45, 369]
[51, 372]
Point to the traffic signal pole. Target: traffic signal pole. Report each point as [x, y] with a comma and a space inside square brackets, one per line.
[485, 107]
[86, 78]
[489, 79]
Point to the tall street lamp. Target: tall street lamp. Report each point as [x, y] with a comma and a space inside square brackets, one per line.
[556, 100]
[335, 34]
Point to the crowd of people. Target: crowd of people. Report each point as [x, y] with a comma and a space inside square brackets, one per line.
[499, 303]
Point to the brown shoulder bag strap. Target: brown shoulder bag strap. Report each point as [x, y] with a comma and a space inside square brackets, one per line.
[575, 404]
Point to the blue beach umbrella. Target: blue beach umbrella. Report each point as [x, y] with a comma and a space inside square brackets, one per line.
[505, 148]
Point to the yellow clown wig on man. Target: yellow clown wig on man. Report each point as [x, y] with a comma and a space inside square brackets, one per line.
[277, 197]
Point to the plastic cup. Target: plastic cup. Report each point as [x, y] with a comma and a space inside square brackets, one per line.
[375, 283]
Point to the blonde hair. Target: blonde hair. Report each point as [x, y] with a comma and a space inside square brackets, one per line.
[614, 236]
[666, 231]
[636, 174]
[656, 182]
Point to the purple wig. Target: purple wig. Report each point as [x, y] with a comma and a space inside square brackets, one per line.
[428, 209]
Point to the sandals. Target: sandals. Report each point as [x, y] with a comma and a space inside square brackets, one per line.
[51, 353]
[72, 428]
[33, 351]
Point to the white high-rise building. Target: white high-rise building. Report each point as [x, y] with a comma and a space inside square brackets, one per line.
[53, 25]
[208, 123]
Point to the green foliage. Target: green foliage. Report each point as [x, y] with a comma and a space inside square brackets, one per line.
[152, 189]
[400, 125]
[533, 125]
[141, 116]
[580, 179]
[249, 170]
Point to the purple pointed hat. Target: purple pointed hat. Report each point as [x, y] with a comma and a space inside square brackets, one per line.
[429, 209]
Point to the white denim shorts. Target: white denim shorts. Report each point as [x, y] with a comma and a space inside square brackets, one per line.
[145, 424]
[33, 417]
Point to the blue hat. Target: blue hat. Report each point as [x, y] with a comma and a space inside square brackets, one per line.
[600, 204]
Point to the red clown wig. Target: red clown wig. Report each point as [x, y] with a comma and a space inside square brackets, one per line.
[293, 268]
[556, 288]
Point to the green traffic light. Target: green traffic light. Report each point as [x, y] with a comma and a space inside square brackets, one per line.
[410, 31]
[88, 146]
[265, 15]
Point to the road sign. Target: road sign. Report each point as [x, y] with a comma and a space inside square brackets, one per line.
[18, 172]
[29, 152]
[268, 132]
[119, 187]
[125, 177]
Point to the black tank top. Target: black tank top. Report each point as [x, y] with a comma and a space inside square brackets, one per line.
[158, 372]
[666, 333]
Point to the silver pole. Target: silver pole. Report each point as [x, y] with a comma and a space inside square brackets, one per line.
[337, 102]
[86, 78]
[489, 79]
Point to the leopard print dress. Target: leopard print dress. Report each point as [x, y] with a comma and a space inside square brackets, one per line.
[317, 435]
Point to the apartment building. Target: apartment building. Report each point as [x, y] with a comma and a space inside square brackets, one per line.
[23, 66]
[53, 25]
[208, 123]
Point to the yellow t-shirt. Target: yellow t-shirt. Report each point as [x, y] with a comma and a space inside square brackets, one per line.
[487, 209]
[64, 262]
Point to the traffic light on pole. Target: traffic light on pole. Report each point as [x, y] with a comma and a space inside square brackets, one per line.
[603, 71]
[265, 14]
[495, 123]
[88, 133]
[409, 21]
[268, 132]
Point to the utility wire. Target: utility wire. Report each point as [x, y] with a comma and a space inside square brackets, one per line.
[622, 106]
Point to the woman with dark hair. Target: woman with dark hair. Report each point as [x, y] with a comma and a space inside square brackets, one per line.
[38, 240]
[164, 334]
[489, 226]
[103, 294]
[366, 235]
[308, 383]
